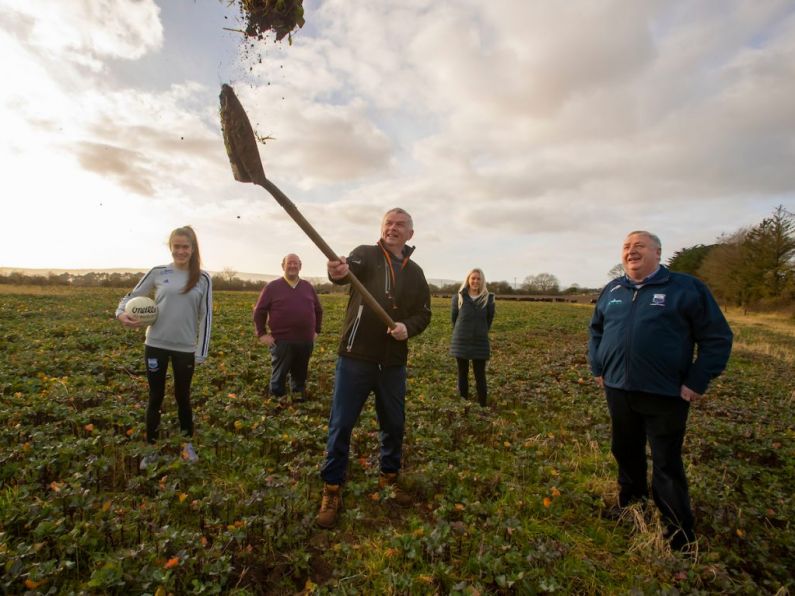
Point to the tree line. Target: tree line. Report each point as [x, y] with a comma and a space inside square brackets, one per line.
[753, 267]
[227, 280]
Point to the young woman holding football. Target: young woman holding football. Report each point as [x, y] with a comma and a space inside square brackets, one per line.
[184, 296]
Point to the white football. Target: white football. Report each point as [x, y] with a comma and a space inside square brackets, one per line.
[142, 308]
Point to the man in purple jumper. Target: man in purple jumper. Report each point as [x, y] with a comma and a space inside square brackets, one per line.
[287, 319]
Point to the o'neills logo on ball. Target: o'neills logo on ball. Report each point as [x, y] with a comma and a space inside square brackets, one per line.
[144, 310]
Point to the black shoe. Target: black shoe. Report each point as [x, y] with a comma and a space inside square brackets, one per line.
[617, 511]
[301, 396]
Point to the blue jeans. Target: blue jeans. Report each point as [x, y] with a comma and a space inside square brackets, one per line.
[289, 357]
[353, 382]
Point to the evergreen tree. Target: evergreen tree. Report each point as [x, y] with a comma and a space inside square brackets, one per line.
[770, 249]
[755, 265]
[689, 260]
[724, 270]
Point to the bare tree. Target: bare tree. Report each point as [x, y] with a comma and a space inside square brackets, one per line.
[228, 274]
[543, 283]
[616, 271]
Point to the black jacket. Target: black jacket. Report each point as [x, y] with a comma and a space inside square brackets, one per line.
[364, 334]
[471, 324]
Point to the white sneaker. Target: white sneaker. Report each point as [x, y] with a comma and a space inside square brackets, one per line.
[147, 461]
[189, 453]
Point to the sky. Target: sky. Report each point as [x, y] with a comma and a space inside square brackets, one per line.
[523, 136]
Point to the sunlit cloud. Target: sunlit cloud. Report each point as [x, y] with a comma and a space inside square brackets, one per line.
[528, 127]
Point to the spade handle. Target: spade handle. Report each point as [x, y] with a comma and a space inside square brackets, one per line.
[293, 212]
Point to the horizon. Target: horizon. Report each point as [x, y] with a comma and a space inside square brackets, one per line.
[250, 275]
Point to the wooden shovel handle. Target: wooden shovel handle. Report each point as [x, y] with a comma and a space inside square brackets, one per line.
[293, 212]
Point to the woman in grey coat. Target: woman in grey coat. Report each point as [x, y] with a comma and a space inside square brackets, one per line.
[472, 312]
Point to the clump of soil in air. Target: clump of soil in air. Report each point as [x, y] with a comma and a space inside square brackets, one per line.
[280, 16]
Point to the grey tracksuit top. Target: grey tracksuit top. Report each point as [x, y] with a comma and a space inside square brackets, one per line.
[184, 321]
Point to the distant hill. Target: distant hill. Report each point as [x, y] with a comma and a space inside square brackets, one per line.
[45, 272]
[263, 277]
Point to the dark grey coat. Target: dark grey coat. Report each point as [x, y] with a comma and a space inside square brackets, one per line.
[471, 324]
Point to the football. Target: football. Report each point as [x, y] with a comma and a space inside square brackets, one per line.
[142, 308]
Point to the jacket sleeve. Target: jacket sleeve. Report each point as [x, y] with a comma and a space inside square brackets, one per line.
[454, 309]
[490, 310]
[261, 313]
[318, 312]
[595, 337]
[713, 336]
[205, 321]
[144, 287]
[357, 264]
[420, 315]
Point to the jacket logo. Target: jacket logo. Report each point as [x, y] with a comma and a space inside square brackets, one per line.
[615, 301]
[658, 300]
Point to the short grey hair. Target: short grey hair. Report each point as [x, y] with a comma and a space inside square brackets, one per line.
[402, 212]
[284, 260]
[653, 237]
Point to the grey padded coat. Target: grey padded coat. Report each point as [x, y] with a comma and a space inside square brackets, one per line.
[471, 324]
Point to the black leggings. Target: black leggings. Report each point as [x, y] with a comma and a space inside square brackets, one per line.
[479, 368]
[156, 367]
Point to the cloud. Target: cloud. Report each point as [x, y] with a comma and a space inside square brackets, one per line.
[86, 33]
[130, 168]
[322, 144]
[60, 101]
[525, 137]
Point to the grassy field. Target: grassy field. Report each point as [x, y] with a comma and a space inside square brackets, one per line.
[507, 499]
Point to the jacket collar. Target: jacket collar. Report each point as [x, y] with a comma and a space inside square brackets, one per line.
[407, 250]
[661, 277]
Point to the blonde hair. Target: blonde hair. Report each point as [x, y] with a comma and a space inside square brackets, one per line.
[482, 298]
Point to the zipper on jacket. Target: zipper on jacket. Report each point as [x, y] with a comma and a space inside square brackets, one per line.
[628, 339]
[355, 328]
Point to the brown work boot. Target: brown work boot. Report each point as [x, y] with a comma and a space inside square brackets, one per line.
[330, 506]
[390, 480]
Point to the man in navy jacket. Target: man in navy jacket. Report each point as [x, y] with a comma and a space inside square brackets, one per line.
[644, 333]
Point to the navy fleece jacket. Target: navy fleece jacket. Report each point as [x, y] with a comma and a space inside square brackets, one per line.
[645, 338]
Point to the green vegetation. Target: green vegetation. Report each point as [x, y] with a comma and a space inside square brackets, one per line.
[753, 268]
[508, 500]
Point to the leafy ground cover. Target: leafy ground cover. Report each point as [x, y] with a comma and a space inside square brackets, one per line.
[507, 499]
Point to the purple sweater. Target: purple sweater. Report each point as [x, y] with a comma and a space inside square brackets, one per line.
[289, 314]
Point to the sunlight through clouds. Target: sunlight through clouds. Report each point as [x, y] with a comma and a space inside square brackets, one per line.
[514, 123]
